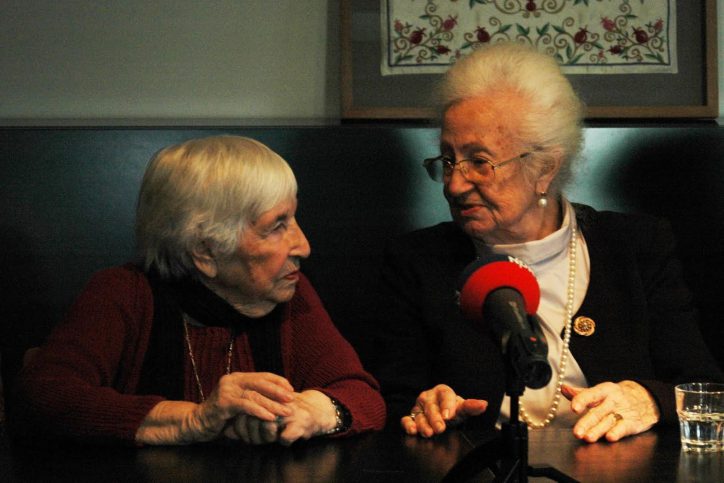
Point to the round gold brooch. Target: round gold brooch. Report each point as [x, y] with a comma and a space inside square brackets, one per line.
[584, 326]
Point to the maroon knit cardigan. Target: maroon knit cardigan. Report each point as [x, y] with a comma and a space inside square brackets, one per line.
[82, 384]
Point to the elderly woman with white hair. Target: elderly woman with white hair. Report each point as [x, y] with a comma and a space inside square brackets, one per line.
[619, 322]
[214, 333]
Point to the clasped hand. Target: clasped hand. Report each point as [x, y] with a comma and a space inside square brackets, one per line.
[261, 408]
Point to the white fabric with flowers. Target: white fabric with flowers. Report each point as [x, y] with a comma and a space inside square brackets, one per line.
[585, 36]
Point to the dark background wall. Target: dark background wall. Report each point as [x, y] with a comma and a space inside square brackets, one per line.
[68, 199]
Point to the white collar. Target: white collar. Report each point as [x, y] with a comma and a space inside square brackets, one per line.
[538, 251]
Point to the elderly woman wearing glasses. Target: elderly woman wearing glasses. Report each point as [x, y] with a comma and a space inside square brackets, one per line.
[214, 333]
[619, 323]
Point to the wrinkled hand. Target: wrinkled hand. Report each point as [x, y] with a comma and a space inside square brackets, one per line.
[613, 410]
[262, 395]
[253, 430]
[309, 413]
[312, 414]
[438, 407]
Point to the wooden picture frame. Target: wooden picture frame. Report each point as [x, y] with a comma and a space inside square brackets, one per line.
[691, 93]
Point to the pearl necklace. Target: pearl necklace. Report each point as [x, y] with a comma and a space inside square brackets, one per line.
[553, 410]
[193, 361]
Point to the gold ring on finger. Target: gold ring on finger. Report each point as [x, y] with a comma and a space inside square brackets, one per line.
[415, 412]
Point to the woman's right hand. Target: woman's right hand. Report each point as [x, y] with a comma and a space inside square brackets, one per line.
[438, 407]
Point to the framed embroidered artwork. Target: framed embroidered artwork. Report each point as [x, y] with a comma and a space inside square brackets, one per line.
[625, 58]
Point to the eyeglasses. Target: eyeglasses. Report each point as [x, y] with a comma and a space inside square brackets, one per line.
[441, 168]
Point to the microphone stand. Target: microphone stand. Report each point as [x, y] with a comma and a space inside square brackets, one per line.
[506, 455]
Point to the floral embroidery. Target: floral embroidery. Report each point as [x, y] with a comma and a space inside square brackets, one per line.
[614, 36]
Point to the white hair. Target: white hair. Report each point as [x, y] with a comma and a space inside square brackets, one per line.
[205, 191]
[551, 123]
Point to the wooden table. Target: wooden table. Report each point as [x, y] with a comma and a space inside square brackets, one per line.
[388, 456]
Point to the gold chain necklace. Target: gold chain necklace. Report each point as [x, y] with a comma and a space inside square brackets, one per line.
[193, 360]
[553, 410]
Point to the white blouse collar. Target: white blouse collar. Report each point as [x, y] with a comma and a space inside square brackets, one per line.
[537, 251]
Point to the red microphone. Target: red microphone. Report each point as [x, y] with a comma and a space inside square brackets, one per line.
[503, 293]
[485, 275]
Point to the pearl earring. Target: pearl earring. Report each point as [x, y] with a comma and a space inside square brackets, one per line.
[543, 200]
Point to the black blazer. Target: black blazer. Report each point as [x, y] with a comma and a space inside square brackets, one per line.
[646, 324]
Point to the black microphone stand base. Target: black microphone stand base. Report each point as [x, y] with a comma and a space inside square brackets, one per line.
[506, 456]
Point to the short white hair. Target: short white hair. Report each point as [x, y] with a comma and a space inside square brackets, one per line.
[553, 119]
[205, 191]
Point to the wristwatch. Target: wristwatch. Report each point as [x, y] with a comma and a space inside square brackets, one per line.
[343, 417]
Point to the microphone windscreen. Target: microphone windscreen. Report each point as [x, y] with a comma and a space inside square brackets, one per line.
[484, 275]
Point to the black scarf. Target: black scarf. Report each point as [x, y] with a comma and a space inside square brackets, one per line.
[162, 372]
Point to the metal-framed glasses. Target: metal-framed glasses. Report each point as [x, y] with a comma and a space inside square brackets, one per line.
[441, 168]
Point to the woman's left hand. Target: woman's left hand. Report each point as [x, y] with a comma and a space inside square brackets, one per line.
[613, 410]
[312, 414]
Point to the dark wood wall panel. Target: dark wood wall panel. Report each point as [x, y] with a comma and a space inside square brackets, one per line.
[68, 199]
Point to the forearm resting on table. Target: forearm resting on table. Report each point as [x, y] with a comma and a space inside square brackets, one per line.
[173, 423]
